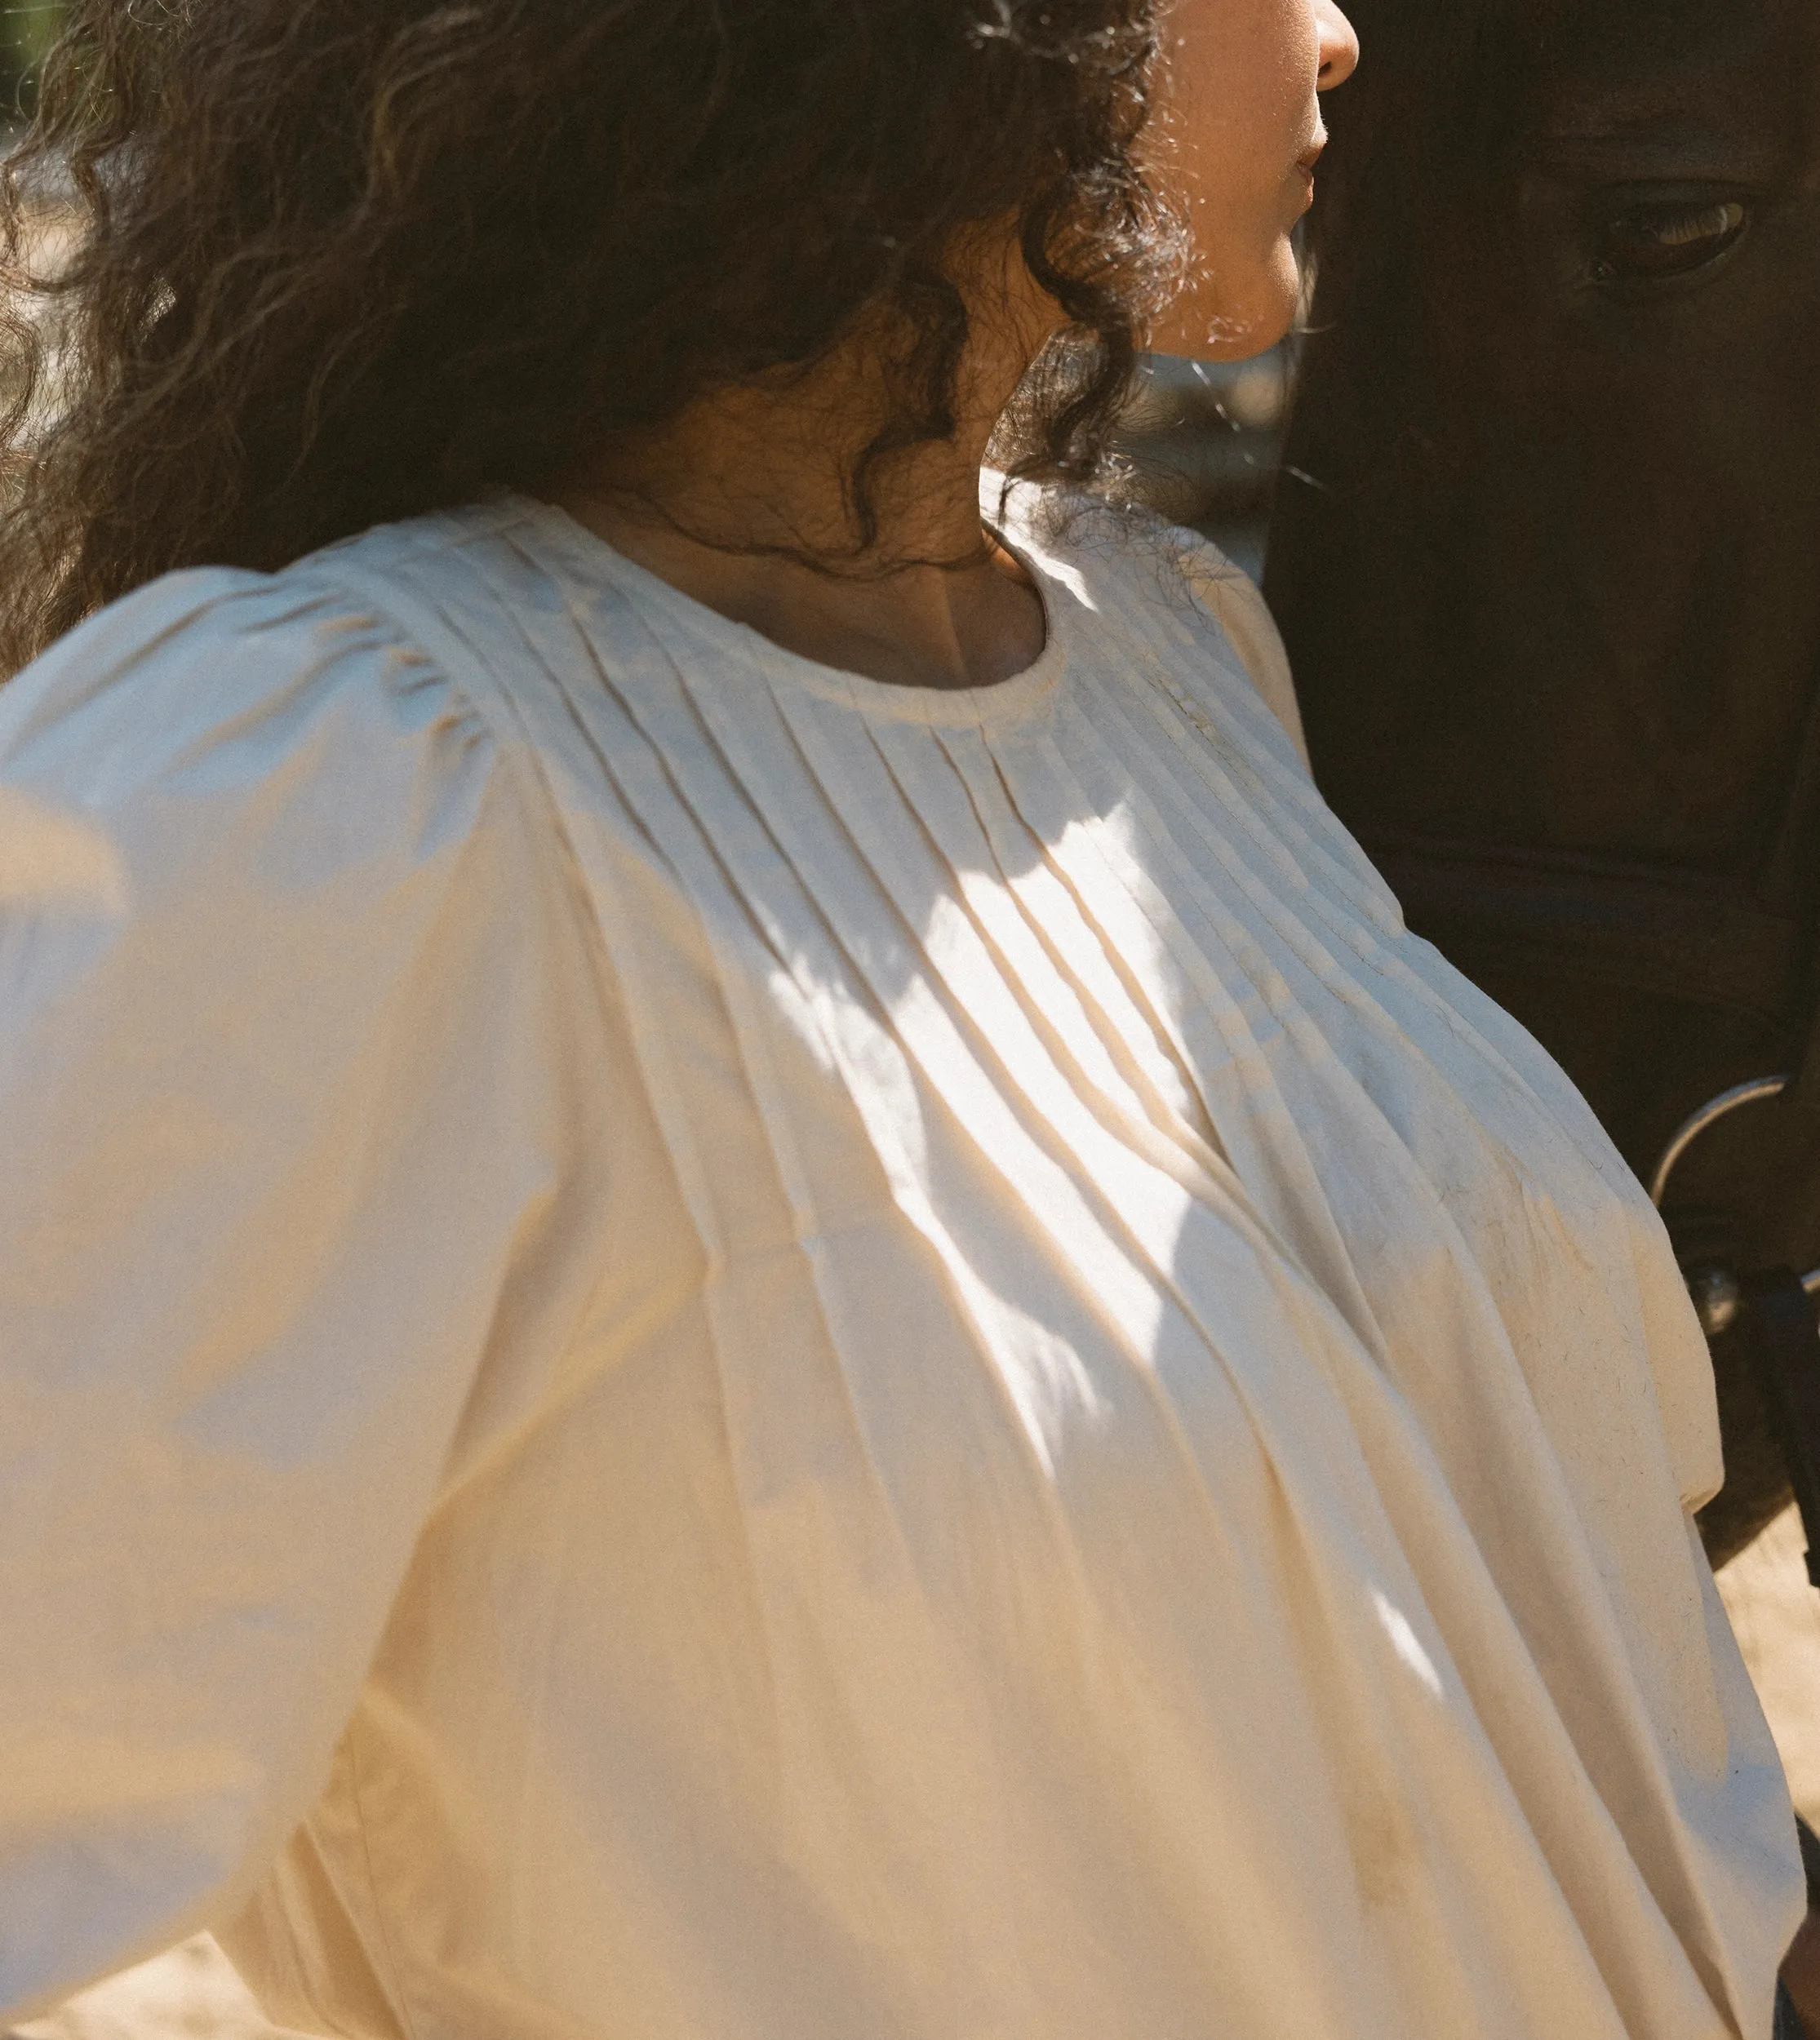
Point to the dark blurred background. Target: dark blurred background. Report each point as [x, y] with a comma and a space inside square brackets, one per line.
[26, 29]
[1204, 438]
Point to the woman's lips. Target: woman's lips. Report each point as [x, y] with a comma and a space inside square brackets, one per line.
[1304, 170]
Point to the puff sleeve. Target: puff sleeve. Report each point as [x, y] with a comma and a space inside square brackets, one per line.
[294, 990]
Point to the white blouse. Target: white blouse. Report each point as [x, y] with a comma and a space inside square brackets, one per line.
[694, 1349]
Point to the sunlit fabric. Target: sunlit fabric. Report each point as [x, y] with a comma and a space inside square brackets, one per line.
[692, 1347]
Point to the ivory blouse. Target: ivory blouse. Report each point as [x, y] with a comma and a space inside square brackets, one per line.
[694, 1349]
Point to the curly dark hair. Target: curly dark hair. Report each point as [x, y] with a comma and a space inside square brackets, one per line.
[328, 263]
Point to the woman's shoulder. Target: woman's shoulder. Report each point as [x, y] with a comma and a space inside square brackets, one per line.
[220, 720]
[1155, 578]
[206, 638]
[253, 652]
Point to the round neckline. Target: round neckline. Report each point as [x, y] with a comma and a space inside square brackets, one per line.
[596, 558]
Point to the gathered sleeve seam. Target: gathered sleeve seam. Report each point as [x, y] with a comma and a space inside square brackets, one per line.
[520, 759]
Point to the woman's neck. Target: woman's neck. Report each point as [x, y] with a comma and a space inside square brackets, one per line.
[725, 501]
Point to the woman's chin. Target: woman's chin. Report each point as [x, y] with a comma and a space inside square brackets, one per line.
[1219, 326]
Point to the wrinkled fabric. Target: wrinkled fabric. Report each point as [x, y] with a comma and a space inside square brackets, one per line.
[690, 1346]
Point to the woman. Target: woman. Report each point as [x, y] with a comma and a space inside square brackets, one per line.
[750, 1288]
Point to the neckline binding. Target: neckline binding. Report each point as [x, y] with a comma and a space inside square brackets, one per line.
[593, 559]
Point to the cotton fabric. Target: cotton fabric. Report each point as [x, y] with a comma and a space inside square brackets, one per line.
[693, 1346]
